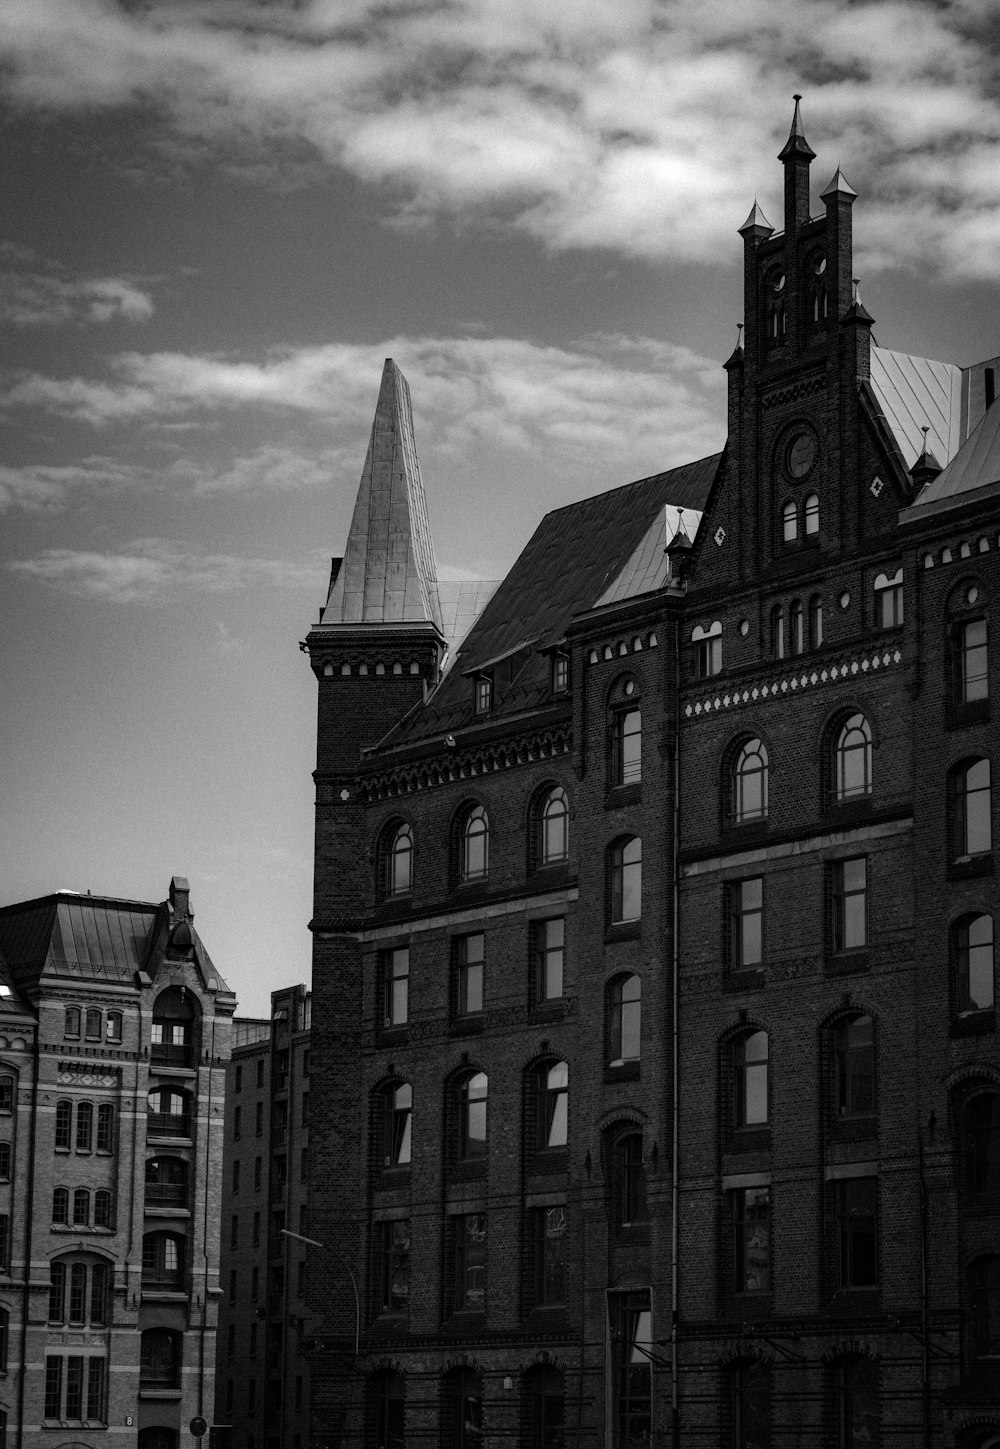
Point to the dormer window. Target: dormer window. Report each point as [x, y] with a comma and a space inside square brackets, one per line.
[484, 693]
[560, 673]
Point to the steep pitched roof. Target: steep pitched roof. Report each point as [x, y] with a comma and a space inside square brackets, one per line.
[388, 574]
[574, 557]
[975, 466]
[913, 392]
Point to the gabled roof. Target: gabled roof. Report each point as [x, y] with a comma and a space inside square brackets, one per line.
[975, 466]
[575, 556]
[388, 574]
[914, 392]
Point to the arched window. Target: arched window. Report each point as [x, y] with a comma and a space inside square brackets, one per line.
[972, 947]
[102, 1208]
[553, 1105]
[984, 1306]
[472, 1094]
[553, 827]
[748, 783]
[84, 1126]
[462, 1409]
[474, 862]
[777, 632]
[856, 1388]
[64, 1125]
[811, 514]
[543, 1407]
[627, 1182]
[113, 1027]
[626, 880]
[71, 1026]
[387, 1409]
[160, 1359]
[980, 1120]
[79, 1291]
[790, 522]
[172, 1040]
[815, 621]
[396, 1106]
[166, 1183]
[971, 801]
[889, 600]
[796, 627]
[624, 1020]
[399, 862]
[93, 1024]
[169, 1113]
[708, 643]
[970, 655]
[853, 759]
[750, 1080]
[105, 1127]
[626, 742]
[854, 1067]
[747, 1405]
[163, 1262]
[81, 1207]
[60, 1205]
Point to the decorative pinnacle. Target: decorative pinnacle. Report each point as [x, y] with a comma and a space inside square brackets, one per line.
[839, 186]
[796, 145]
[756, 223]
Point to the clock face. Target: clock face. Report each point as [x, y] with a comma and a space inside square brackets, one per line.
[801, 454]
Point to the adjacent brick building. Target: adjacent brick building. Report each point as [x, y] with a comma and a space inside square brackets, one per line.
[262, 1384]
[654, 1048]
[114, 1039]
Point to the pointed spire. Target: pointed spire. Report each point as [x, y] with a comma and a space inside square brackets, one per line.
[388, 575]
[858, 312]
[736, 357]
[796, 145]
[839, 186]
[927, 466]
[756, 223]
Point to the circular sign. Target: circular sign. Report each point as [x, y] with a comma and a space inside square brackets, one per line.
[800, 454]
[199, 1427]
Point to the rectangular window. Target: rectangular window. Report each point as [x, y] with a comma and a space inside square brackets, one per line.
[258, 1173]
[5, 1161]
[710, 656]
[394, 1266]
[560, 673]
[256, 1230]
[258, 1125]
[236, 1179]
[78, 1293]
[857, 1237]
[973, 662]
[550, 957]
[113, 1032]
[72, 1026]
[889, 600]
[751, 1219]
[631, 1340]
[469, 951]
[74, 1387]
[304, 1165]
[105, 1127]
[470, 1261]
[626, 748]
[64, 1125]
[484, 694]
[260, 1071]
[237, 1123]
[93, 1020]
[395, 986]
[234, 1233]
[254, 1284]
[850, 904]
[238, 1085]
[304, 1110]
[84, 1126]
[4, 1242]
[232, 1285]
[746, 902]
[253, 1340]
[548, 1238]
[95, 1388]
[53, 1388]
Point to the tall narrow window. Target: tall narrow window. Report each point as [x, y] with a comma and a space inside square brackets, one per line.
[889, 600]
[473, 1094]
[462, 1409]
[395, 987]
[400, 862]
[93, 1027]
[64, 1124]
[71, 1027]
[749, 1405]
[398, 1105]
[475, 845]
[469, 955]
[626, 747]
[626, 880]
[548, 1236]
[553, 828]
[113, 1033]
[796, 627]
[550, 952]
[102, 1208]
[84, 1126]
[57, 1292]
[394, 1266]
[972, 679]
[624, 1020]
[388, 1395]
[751, 1218]
[981, 1145]
[53, 1387]
[749, 783]
[96, 1378]
[750, 1080]
[850, 904]
[790, 522]
[81, 1207]
[973, 946]
[853, 759]
[470, 1261]
[855, 1067]
[60, 1205]
[857, 1237]
[984, 1306]
[484, 694]
[544, 1407]
[708, 643]
[815, 621]
[631, 1368]
[971, 803]
[811, 511]
[105, 1127]
[777, 632]
[553, 1116]
[628, 1181]
[746, 902]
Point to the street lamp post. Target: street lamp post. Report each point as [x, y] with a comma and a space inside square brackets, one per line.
[315, 1243]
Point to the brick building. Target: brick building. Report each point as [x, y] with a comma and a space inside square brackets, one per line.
[114, 1036]
[262, 1374]
[657, 1078]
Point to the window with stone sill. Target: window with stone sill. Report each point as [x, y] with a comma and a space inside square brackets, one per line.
[547, 1239]
[889, 600]
[394, 985]
[746, 1405]
[855, 1206]
[973, 965]
[624, 1018]
[550, 827]
[971, 809]
[707, 639]
[744, 941]
[548, 948]
[749, 1067]
[747, 783]
[393, 1282]
[749, 1212]
[979, 1126]
[984, 1310]
[625, 862]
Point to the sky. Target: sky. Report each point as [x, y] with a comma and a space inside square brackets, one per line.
[221, 216]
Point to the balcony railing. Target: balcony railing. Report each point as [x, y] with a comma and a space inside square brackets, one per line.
[171, 1054]
[163, 1282]
[168, 1124]
[155, 1379]
[166, 1195]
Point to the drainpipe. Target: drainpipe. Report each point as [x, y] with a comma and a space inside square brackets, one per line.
[675, 1430]
[925, 1330]
[203, 1329]
[29, 1245]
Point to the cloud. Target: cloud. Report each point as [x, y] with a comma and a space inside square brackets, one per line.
[45, 487]
[39, 296]
[610, 394]
[153, 571]
[637, 127]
